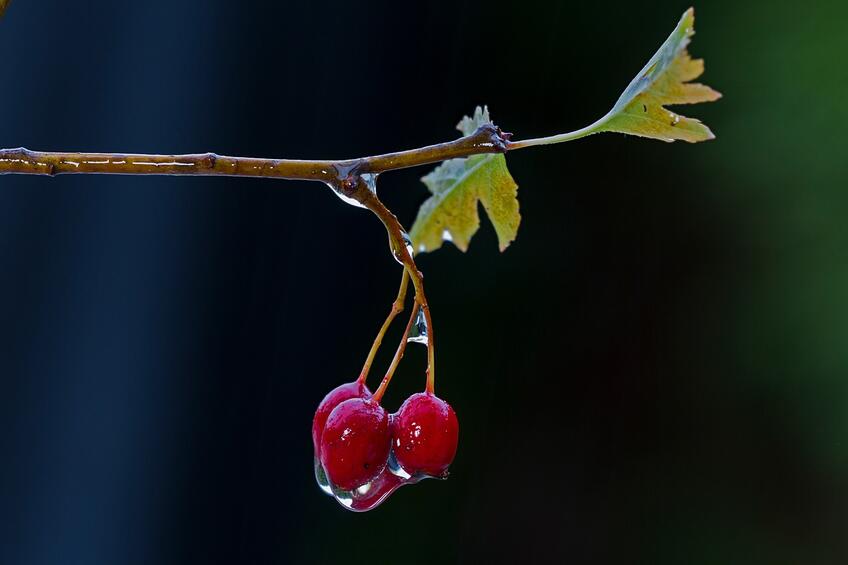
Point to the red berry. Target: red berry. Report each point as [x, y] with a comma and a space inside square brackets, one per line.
[355, 443]
[335, 397]
[425, 435]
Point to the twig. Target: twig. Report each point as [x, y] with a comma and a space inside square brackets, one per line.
[487, 139]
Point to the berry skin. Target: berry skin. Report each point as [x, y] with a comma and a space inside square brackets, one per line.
[335, 397]
[355, 443]
[425, 435]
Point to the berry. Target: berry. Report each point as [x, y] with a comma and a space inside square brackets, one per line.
[355, 443]
[425, 435]
[335, 397]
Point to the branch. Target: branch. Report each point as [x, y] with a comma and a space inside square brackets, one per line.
[487, 139]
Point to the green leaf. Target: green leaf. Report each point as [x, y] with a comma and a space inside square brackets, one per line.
[641, 111]
[457, 185]
[665, 81]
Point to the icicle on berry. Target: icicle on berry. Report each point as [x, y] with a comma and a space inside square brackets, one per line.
[335, 397]
[371, 494]
[425, 435]
[355, 444]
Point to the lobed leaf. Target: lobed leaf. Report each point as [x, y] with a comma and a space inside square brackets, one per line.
[457, 185]
[665, 80]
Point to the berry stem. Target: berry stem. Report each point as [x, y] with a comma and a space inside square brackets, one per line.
[398, 356]
[397, 242]
[431, 352]
[397, 308]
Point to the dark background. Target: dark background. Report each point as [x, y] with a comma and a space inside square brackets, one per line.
[653, 373]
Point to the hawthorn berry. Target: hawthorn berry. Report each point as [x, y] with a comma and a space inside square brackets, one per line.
[356, 389]
[425, 435]
[355, 443]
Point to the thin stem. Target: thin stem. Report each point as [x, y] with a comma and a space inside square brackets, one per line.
[398, 242]
[398, 356]
[561, 138]
[397, 308]
[431, 352]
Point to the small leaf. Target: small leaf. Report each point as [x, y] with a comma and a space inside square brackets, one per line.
[664, 81]
[457, 185]
[3, 5]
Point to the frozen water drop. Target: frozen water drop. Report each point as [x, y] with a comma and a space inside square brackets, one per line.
[446, 236]
[370, 181]
[349, 182]
[395, 468]
[373, 493]
[419, 332]
[321, 478]
[343, 497]
[345, 198]
[422, 248]
[407, 242]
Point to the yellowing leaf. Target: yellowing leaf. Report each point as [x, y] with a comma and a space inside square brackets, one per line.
[3, 5]
[457, 185]
[664, 81]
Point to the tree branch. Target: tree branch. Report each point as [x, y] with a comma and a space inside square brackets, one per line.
[487, 139]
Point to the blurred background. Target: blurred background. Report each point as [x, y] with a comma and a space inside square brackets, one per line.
[655, 372]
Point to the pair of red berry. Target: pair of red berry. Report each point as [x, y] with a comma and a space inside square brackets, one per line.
[366, 454]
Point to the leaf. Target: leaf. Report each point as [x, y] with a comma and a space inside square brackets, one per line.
[640, 110]
[457, 185]
[3, 5]
[665, 81]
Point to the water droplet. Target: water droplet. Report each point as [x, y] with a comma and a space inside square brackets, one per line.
[371, 494]
[344, 497]
[371, 181]
[422, 248]
[321, 478]
[446, 236]
[419, 332]
[345, 198]
[407, 241]
[394, 467]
